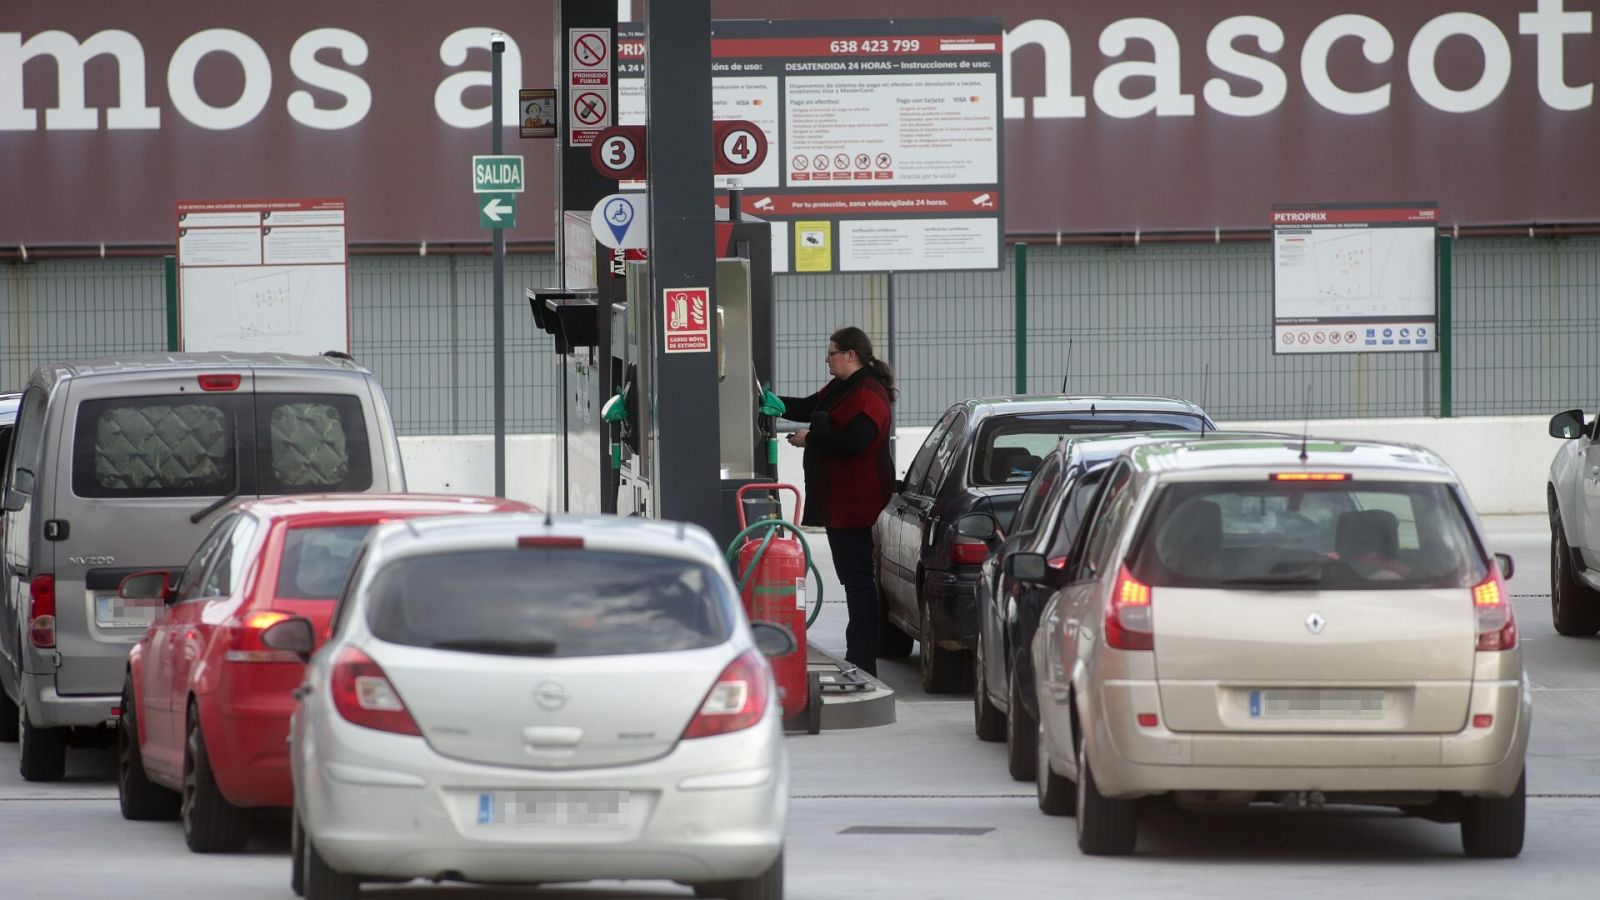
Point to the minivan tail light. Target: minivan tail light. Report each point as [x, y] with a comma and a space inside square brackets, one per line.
[1128, 614]
[42, 611]
[364, 696]
[229, 382]
[736, 701]
[967, 551]
[247, 646]
[1497, 627]
[1310, 476]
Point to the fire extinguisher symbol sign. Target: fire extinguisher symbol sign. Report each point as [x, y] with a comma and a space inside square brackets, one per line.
[686, 322]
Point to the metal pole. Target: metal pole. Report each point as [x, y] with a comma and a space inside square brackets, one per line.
[888, 317]
[1022, 317]
[1446, 376]
[498, 45]
[172, 303]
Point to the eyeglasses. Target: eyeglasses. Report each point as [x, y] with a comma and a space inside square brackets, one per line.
[830, 353]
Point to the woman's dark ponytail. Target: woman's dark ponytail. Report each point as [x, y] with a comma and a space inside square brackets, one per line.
[853, 338]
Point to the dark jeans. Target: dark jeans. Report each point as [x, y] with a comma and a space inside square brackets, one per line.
[852, 560]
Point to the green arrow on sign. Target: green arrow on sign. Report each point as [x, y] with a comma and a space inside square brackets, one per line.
[496, 174]
[497, 210]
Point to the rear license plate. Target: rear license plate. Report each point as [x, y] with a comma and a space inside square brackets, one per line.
[1316, 703]
[111, 611]
[572, 809]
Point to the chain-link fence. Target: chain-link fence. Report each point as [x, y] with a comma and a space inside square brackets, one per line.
[1192, 320]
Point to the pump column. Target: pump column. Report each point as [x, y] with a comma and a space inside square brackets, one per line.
[682, 260]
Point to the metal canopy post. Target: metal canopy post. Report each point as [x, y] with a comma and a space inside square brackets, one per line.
[498, 45]
[682, 256]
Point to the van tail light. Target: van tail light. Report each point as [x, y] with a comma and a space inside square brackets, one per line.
[42, 612]
[364, 696]
[1128, 614]
[247, 646]
[736, 701]
[1497, 627]
[228, 382]
[967, 551]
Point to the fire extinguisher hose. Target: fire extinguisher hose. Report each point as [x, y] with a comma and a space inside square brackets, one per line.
[773, 526]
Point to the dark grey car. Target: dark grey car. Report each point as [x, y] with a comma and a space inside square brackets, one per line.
[979, 457]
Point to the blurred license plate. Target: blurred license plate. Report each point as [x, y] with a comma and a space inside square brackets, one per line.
[1316, 704]
[576, 809]
[111, 611]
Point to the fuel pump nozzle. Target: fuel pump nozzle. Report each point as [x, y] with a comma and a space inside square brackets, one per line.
[770, 407]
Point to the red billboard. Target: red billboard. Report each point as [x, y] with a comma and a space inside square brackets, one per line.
[1118, 115]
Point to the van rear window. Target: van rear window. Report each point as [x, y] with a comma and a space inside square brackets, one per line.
[205, 446]
[1350, 535]
[157, 446]
[549, 602]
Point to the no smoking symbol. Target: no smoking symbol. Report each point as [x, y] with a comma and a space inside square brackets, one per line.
[589, 50]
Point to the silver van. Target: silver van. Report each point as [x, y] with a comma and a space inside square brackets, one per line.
[118, 465]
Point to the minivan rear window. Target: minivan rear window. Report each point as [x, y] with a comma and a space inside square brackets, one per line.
[177, 446]
[317, 560]
[549, 602]
[1285, 536]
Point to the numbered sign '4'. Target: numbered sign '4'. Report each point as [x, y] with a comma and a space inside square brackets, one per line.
[738, 147]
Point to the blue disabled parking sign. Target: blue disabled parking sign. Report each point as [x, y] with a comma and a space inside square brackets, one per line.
[621, 222]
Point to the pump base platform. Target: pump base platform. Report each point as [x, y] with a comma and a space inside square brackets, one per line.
[850, 698]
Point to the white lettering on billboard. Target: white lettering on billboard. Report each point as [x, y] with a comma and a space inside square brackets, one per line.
[71, 112]
[1057, 102]
[447, 99]
[1376, 44]
[1220, 50]
[1552, 24]
[303, 62]
[1167, 98]
[257, 79]
[1496, 62]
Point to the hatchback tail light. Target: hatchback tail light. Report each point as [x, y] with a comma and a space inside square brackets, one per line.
[42, 612]
[247, 646]
[364, 696]
[1497, 627]
[736, 701]
[1128, 614]
[967, 551]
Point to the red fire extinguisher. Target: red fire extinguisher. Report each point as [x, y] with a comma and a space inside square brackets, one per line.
[771, 565]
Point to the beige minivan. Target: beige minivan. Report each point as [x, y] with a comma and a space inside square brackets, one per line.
[119, 465]
[1282, 621]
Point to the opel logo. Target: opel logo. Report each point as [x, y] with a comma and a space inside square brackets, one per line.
[1315, 622]
[551, 695]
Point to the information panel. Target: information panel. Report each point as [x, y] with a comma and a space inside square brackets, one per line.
[884, 136]
[1354, 278]
[263, 276]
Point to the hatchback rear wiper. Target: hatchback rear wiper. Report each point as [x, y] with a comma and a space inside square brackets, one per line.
[506, 647]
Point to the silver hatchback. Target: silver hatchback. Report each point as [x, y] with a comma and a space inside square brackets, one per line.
[1282, 621]
[520, 699]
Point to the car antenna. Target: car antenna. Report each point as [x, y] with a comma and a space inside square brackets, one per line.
[1066, 367]
[1205, 397]
[1306, 429]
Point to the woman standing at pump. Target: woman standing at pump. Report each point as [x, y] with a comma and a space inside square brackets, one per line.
[849, 474]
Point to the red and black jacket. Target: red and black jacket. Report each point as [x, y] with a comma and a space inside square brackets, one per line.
[848, 467]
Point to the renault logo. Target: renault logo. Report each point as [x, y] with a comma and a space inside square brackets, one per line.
[551, 695]
[1314, 623]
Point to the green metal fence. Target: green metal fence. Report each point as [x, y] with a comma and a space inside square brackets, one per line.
[1191, 319]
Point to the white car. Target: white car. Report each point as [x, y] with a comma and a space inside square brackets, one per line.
[1281, 621]
[519, 699]
[1572, 493]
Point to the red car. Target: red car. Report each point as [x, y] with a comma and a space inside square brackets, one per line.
[206, 704]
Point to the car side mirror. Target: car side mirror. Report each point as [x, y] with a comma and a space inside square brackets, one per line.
[977, 525]
[773, 639]
[1567, 425]
[1026, 566]
[294, 635]
[13, 501]
[21, 489]
[1508, 566]
[153, 584]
